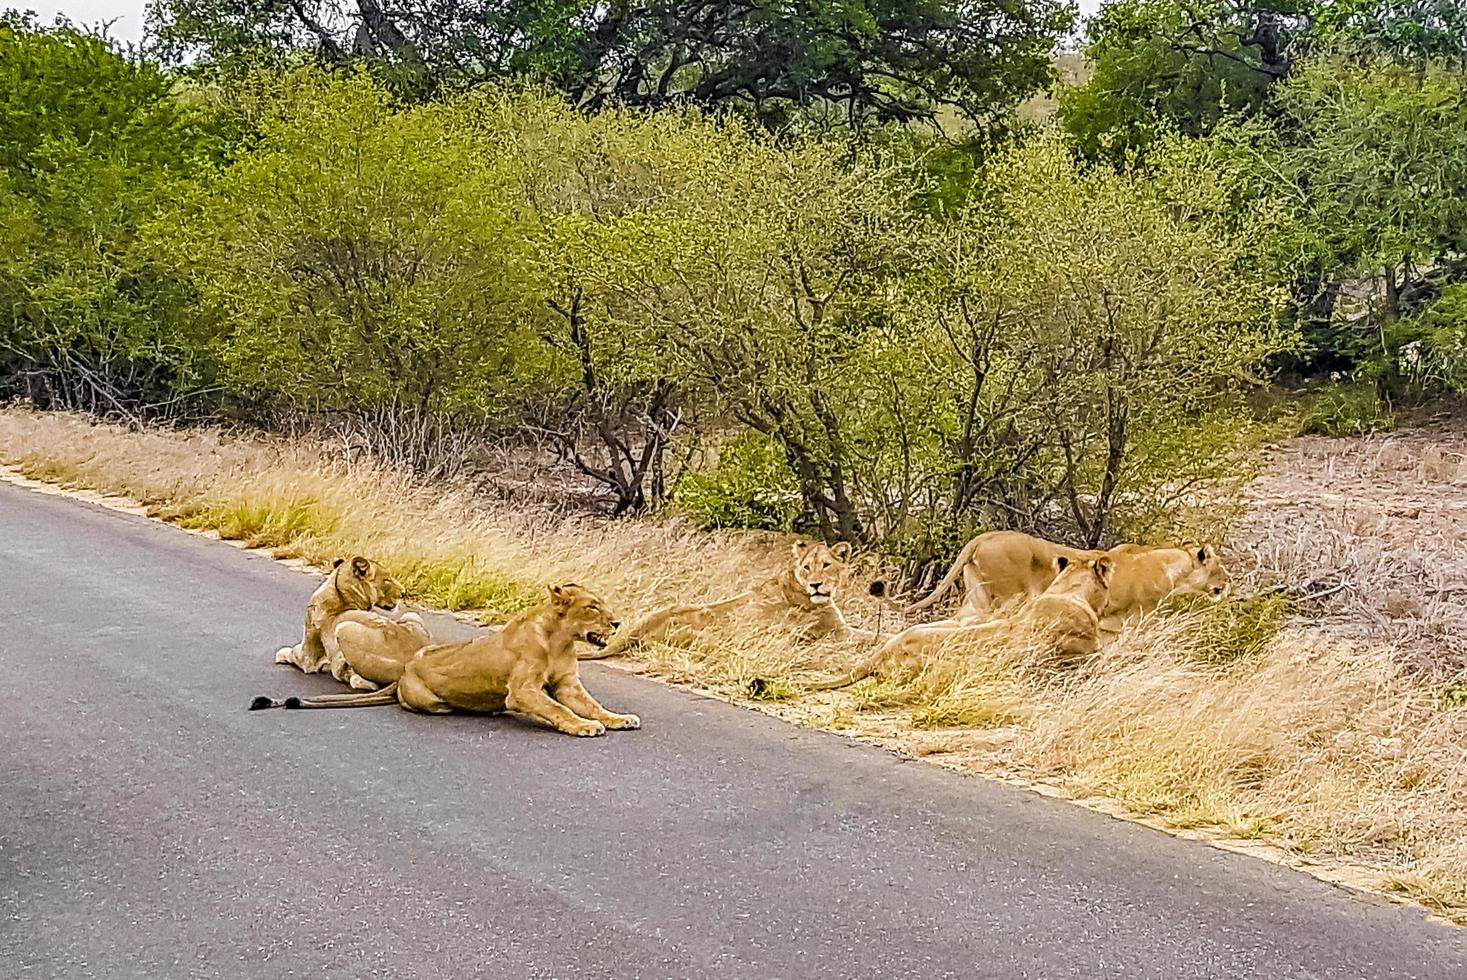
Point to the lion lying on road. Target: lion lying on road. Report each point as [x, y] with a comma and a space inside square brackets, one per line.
[1065, 618]
[803, 595]
[1000, 567]
[528, 667]
[342, 607]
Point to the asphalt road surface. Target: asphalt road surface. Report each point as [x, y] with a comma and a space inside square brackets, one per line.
[152, 828]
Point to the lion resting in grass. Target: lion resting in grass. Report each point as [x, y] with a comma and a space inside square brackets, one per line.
[802, 595]
[528, 667]
[1001, 567]
[349, 594]
[1065, 619]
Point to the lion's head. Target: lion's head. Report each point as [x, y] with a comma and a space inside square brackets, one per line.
[583, 614]
[1087, 578]
[816, 566]
[1205, 571]
[363, 584]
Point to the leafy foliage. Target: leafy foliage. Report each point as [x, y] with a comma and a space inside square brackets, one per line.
[364, 258]
[1085, 332]
[89, 143]
[751, 485]
[1371, 159]
[856, 59]
[1163, 65]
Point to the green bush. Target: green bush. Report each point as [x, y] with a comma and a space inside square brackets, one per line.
[750, 486]
[1221, 631]
[91, 144]
[1442, 356]
[1351, 408]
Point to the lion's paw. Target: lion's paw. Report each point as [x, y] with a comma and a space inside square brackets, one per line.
[285, 655]
[624, 723]
[361, 683]
[585, 729]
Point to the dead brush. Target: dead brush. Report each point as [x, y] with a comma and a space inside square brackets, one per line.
[1324, 751]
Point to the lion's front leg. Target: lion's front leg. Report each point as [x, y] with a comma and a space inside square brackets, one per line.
[308, 656]
[573, 694]
[533, 701]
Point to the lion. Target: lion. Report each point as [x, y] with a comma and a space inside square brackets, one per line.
[802, 595]
[375, 649]
[350, 593]
[1002, 567]
[1065, 618]
[528, 667]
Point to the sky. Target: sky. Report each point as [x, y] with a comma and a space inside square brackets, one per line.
[128, 14]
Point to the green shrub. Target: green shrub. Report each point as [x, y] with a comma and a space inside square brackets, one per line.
[1233, 628]
[750, 486]
[1350, 408]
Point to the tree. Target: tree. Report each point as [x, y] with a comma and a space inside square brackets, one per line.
[90, 143]
[1370, 155]
[1172, 65]
[368, 262]
[1166, 64]
[864, 59]
[756, 283]
[1082, 335]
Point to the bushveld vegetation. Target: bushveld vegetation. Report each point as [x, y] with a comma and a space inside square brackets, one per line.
[791, 271]
[908, 347]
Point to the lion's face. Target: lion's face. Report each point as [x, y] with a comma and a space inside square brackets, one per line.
[364, 581]
[816, 566]
[1205, 573]
[585, 615]
[1089, 577]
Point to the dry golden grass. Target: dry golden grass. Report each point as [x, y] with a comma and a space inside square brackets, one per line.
[1248, 718]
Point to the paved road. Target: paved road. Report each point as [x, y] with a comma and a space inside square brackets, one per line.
[180, 836]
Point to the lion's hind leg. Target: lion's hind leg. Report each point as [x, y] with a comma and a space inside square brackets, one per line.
[373, 650]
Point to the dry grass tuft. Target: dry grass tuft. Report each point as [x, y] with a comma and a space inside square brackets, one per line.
[449, 548]
[1334, 726]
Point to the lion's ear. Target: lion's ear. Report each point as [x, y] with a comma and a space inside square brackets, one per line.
[337, 563]
[1103, 569]
[561, 596]
[841, 550]
[1202, 554]
[799, 548]
[1061, 563]
[360, 566]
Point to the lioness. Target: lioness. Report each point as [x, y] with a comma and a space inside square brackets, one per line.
[803, 595]
[375, 649]
[1065, 618]
[354, 587]
[528, 667]
[1000, 567]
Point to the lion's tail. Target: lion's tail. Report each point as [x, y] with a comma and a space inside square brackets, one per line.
[947, 580]
[388, 695]
[844, 680]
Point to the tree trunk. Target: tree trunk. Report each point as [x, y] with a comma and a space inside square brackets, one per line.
[1392, 297]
